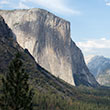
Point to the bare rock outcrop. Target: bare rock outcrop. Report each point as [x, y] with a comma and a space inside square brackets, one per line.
[47, 37]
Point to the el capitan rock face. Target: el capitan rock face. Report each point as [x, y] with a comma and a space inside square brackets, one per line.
[47, 37]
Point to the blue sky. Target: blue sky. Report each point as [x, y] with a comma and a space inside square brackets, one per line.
[90, 20]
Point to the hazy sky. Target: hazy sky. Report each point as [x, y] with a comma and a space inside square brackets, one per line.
[90, 20]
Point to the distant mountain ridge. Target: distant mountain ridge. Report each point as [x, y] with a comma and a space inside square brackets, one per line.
[88, 58]
[99, 66]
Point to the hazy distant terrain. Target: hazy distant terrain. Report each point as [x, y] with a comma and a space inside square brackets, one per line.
[99, 66]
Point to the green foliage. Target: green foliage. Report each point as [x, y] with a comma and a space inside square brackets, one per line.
[16, 94]
[49, 101]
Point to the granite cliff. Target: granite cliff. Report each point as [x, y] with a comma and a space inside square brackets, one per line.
[47, 37]
[40, 79]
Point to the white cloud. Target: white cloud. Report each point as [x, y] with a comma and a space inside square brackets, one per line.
[58, 6]
[97, 43]
[107, 2]
[55, 5]
[4, 2]
[22, 6]
[12, 4]
[95, 47]
[103, 38]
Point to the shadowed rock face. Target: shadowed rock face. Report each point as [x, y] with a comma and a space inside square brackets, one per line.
[47, 37]
[4, 30]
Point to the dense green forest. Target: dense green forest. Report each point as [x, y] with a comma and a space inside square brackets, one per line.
[49, 101]
[48, 95]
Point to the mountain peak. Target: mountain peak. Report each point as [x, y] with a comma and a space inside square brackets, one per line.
[99, 66]
[88, 58]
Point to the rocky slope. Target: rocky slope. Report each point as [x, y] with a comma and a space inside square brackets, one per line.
[47, 37]
[99, 66]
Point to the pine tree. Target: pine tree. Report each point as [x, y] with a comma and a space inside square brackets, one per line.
[16, 92]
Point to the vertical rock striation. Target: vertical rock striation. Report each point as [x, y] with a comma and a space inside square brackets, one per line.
[47, 37]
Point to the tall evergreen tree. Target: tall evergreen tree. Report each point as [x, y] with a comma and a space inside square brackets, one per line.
[16, 92]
